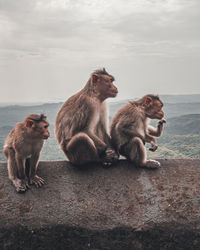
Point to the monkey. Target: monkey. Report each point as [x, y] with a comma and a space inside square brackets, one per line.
[22, 149]
[81, 124]
[130, 130]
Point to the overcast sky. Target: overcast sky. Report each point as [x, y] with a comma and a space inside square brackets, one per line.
[48, 48]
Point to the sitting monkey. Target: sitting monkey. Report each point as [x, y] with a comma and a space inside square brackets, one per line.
[81, 124]
[130, 130]
[22, 149]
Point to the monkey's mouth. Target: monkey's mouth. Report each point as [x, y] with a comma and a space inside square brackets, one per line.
[113, 93]
[45, 137]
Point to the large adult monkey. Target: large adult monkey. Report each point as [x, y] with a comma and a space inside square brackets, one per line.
[81, 124]
[130, 129]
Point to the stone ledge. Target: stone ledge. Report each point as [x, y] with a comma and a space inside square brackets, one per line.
[121, 207]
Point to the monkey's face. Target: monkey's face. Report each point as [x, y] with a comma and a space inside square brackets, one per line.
[41, 130]
[106, 87]
[45, 130]
[155, 111]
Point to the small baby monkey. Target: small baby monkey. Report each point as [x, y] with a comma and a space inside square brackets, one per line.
[22, 149]
[130, 130]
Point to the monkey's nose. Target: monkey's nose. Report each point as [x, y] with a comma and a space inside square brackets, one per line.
[116, 90]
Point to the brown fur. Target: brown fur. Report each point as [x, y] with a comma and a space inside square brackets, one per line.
[130, 129]
[22, 149]
[81, 124]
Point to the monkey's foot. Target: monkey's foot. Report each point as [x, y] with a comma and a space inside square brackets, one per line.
[151, 164]
[153, 148]
[21, 185]
[110, 157]
[37, 181]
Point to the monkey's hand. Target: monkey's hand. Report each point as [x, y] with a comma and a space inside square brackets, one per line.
[110, 157]
[21, 185]
[161, 122]
[153, 147]
[37, 181]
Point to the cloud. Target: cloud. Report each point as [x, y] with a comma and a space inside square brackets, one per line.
[64, 35]
[41, 25]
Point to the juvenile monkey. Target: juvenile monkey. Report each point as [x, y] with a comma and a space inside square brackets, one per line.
[22, 149]
[130, 130]
[81, 124]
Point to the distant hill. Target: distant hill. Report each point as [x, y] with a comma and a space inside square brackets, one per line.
[180, 98]
[5, 129]
[181, 137]
[12, 114]
[183, 125]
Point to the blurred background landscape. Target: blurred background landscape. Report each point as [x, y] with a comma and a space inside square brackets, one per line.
[180, 139]
[49, 48]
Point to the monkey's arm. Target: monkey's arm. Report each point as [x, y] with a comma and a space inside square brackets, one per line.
[95, 129]
[33, 161]
[34, 178]
[100, 145]
[156, 131]
[103, 133]
[21, 183]
[130, 131]
[109, 155]
[20, 166]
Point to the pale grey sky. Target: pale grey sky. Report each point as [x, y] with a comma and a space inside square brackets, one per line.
[48, 48]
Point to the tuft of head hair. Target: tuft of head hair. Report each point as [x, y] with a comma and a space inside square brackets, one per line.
[141, 101]
[153, 97]
[36, 117]
[102, 72]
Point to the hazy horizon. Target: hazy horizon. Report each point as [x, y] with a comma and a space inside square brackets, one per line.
[109, 100]
[49, 48]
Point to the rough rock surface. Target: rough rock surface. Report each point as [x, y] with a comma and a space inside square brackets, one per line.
[120, 207]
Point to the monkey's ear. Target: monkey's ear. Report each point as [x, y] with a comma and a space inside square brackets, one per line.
[148, 101]
[29, 123]
[94, 78]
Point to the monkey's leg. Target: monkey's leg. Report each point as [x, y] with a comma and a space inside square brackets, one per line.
[20, 184]
[137, 153]
[33, 164]
[81, 150]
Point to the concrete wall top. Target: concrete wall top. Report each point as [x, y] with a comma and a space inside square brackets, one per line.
[97, 198]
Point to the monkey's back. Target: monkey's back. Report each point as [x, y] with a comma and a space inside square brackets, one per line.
[125, 118]
[11, 139]
[71, 118]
